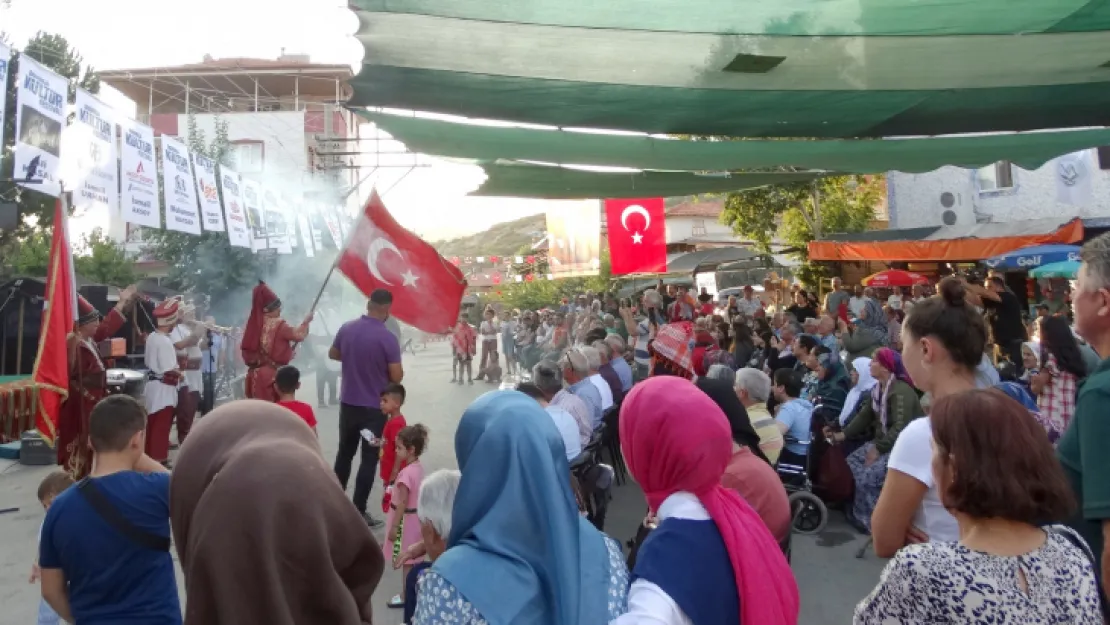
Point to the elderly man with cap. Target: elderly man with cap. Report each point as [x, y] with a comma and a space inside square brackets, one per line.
[87, 383]
[160, 393]
[268, 342]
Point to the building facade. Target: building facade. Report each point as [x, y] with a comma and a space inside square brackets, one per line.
[1073, 185]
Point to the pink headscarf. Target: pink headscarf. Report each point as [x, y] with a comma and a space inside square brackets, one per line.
[675, 438]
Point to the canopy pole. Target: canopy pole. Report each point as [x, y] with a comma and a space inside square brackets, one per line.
[19, 338]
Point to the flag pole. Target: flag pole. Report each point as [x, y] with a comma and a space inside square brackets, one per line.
[339, 253]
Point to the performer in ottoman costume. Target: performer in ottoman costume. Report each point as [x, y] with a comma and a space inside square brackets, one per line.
[160, 392]
[87, 383]
[268, 342]
[186, 336]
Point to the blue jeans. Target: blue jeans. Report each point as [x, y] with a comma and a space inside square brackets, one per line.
[47, 615]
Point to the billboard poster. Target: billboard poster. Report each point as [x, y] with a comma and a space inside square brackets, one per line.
[204, 174]
[89, 165]
[40, 115]
[139, 202]
[277, 222]
[256, 219]
[306, 235]
[5, 66]
[178, 189]
[331, 220]
[574, 239]
[315, 222]
[238, 232]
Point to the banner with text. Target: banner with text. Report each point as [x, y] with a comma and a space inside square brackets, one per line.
[40, 115]
[316, 222]
[5, 66]
[139, 203]
[204, 174]
[252, 203]
[238, 232]
[331, 220]
[306, 235]
[574, 239]
[89, 165]
[178, 188]
[277, 222]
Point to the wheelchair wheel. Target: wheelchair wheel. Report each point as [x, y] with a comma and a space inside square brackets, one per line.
[808, 512]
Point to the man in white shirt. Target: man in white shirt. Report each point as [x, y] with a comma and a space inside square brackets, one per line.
[186, 338]
[564, 421]
[593, 360]
[857, 301]
[160, 393]
[749, 305]
[895, 299]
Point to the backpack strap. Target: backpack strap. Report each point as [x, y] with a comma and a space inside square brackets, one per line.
[1075, 539]
[115, 518]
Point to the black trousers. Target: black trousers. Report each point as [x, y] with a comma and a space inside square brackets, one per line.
[323, 379]
[208, 395]
[353, 419]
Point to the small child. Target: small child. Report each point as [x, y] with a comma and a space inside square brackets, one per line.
[402, 523]
[393, 397]
[52, 486]
[493, 370]
[287, 380]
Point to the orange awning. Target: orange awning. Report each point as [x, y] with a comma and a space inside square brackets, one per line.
[939, 247]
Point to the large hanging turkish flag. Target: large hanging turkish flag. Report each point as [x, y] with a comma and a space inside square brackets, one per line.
[51, 372]
[427, 289]
[637, 235]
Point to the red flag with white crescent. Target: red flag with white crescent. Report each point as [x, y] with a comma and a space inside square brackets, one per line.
[380, 254]
[637, 235]
[51, 372]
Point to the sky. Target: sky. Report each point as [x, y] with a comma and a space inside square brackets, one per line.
[127, 34]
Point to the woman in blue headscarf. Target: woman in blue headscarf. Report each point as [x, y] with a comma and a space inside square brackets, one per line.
[518, 552]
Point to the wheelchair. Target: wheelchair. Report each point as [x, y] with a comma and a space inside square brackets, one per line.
[595, 480]
[808, 513]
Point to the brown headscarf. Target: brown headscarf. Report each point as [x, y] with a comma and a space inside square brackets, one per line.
[263, 530]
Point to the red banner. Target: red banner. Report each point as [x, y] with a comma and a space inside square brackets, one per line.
[427, 289]
[51, 373]
[637, 235]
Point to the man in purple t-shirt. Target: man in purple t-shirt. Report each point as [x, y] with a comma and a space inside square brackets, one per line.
[371, 359]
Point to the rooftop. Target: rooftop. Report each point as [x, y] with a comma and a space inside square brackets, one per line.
[693, 208]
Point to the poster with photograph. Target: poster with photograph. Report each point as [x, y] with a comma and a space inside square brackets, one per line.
[256, 219]
[238, 231]
[40, 115]
[204, 174]
[89, 165]
[277, 222]
[178, 189]
[139, 203]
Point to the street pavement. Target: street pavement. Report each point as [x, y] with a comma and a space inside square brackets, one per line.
[830, 578]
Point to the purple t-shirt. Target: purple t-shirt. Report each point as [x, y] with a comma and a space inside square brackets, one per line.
[367, 348]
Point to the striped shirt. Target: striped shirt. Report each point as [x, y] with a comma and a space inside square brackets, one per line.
[765, 426]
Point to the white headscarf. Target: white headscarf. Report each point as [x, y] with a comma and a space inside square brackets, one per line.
[862, 367]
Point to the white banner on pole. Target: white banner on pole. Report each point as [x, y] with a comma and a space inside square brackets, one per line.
[204, 174]
[1073, 179]
[277, 222]
[5, 67]
[139, 203]
[40, 115]
[315, 218]
[306, 235]
[256, 219]
[238, 232]
[178, 190]
[89, 164]
[331, 220]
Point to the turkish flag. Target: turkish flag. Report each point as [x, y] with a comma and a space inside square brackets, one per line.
[51, 372]
[380, 254]
[637, 235]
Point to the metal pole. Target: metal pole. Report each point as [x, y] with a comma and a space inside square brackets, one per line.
[297, 93]
[188, 96]
[150, 102]
[19, 338]
[256, 94]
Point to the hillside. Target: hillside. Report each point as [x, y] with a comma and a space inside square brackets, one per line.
[509, 237]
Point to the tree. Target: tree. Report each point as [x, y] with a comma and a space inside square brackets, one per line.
[104, 261]
[207, 263]
[541, 292]
[54, 52]
[801, 212]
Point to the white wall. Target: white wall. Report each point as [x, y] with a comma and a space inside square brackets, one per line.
[915, 199]
[282, 134]
[681, 228]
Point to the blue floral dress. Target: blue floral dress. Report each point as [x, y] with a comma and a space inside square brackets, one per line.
[438, 602]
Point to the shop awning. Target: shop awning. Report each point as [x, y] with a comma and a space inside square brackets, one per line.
[945, 243]
[561, 183]
[707, 260]
[492, 143]
[793, 68]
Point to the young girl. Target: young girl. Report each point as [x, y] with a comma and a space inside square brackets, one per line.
[403, 528]
[463, 344]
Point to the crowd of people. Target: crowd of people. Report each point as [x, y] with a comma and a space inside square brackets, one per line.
[963, 439]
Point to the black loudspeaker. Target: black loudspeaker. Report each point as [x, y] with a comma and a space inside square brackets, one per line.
[97, 295]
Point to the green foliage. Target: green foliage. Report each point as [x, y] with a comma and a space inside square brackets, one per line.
[97, 259]
[543, 293]
[787, 213]
[29, 257]
[207, 263]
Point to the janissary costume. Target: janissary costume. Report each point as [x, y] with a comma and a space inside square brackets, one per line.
[160, 393]
[87, 385]
[268, 343]
[186, 337]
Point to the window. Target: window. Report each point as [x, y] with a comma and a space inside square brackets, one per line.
[247, 156]
[996, 177]
[698, 229]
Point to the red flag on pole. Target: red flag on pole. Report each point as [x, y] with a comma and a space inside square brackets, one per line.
[427, 290]
[637, 235]
[51, 372]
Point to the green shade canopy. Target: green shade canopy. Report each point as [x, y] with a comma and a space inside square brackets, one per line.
[559, 183]
[491, 143]
[745, 68]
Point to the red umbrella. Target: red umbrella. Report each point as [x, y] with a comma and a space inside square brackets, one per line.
[894, 277]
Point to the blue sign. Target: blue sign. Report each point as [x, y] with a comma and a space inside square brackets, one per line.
[1035, 256]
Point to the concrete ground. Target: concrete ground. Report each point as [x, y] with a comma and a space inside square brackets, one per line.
[830, 578]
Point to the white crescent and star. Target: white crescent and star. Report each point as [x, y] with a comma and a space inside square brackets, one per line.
[379, 245]
[636, 209]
